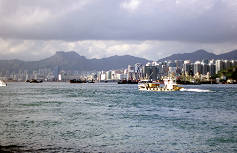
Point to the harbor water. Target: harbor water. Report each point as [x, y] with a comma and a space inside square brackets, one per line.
[108, 117]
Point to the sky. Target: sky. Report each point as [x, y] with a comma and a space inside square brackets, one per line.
[152, 29]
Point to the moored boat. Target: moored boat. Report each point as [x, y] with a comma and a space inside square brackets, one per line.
[127, 82]
[77, 81]
[169, 85]
[34, 81]
[2, 83]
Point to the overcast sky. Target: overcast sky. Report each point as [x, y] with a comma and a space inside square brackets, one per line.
[153, 29]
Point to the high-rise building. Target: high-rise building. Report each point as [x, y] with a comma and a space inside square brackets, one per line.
[205, 68]
[212, 68]
[59, 77]
[131, 71]
[131, 68]
[219, 65]
[108, 75]
[187, 67]
[121, 76]
[102, 77]
[233, 63]
[227, 64]
[138, 71]
[197, 68]
[150, 72]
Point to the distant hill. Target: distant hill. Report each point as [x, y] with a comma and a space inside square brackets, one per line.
[116, 62]
[74, 62]
[71, 61]
[229, 55]
[201, 54]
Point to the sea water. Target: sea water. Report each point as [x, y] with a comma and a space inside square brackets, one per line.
[107, 117]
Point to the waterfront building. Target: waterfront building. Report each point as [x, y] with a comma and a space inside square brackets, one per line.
[150, 72]
[102, 76]
[227, 64]
[108, 75]
[212, 68]
[114, 74]
[197, 68]
[131, 68]
[121, 76]
[219, 65]
[131, 71]
[205, 68]
[138, 71]
[59, 77]
[187, 67]
[98, 76]
[233, 63]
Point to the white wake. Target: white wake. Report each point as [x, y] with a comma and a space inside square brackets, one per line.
[195, 90]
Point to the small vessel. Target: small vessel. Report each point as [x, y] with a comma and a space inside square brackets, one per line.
[90, 81]
[127, 82]
[169, 85]
[2, 83]
[34, 81]
[77, 81]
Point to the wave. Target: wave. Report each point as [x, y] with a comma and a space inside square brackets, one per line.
[195, 90]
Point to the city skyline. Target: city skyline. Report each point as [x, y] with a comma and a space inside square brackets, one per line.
[202, 70]
[97, 29]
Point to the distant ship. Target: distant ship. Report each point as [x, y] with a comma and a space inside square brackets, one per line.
[127, 82]
[77, 81]
[34, 81]
[2, 83]
[169, 85]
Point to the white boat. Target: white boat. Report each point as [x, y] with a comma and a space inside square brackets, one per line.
[2, 83]
[169, 85]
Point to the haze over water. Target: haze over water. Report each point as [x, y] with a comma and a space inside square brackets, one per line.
[60, 117]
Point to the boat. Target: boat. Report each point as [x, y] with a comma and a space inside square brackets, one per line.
[127, 82]
[2, 83]
[90, 81]
[169, 85]
[77, 81]
[34, 81]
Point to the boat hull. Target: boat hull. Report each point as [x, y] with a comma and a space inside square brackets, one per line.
[169, 85]
[160, 89]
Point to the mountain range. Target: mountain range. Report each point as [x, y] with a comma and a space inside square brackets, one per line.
[201, 54]
[71, 61]
[74, 62]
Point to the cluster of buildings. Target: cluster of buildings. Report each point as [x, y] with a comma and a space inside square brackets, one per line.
[198, 70]
[40, 74]
[202, 70]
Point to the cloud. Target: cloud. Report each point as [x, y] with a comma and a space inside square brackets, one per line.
[131, 5]
[150, 49]
[168, 20]
[153, 29]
